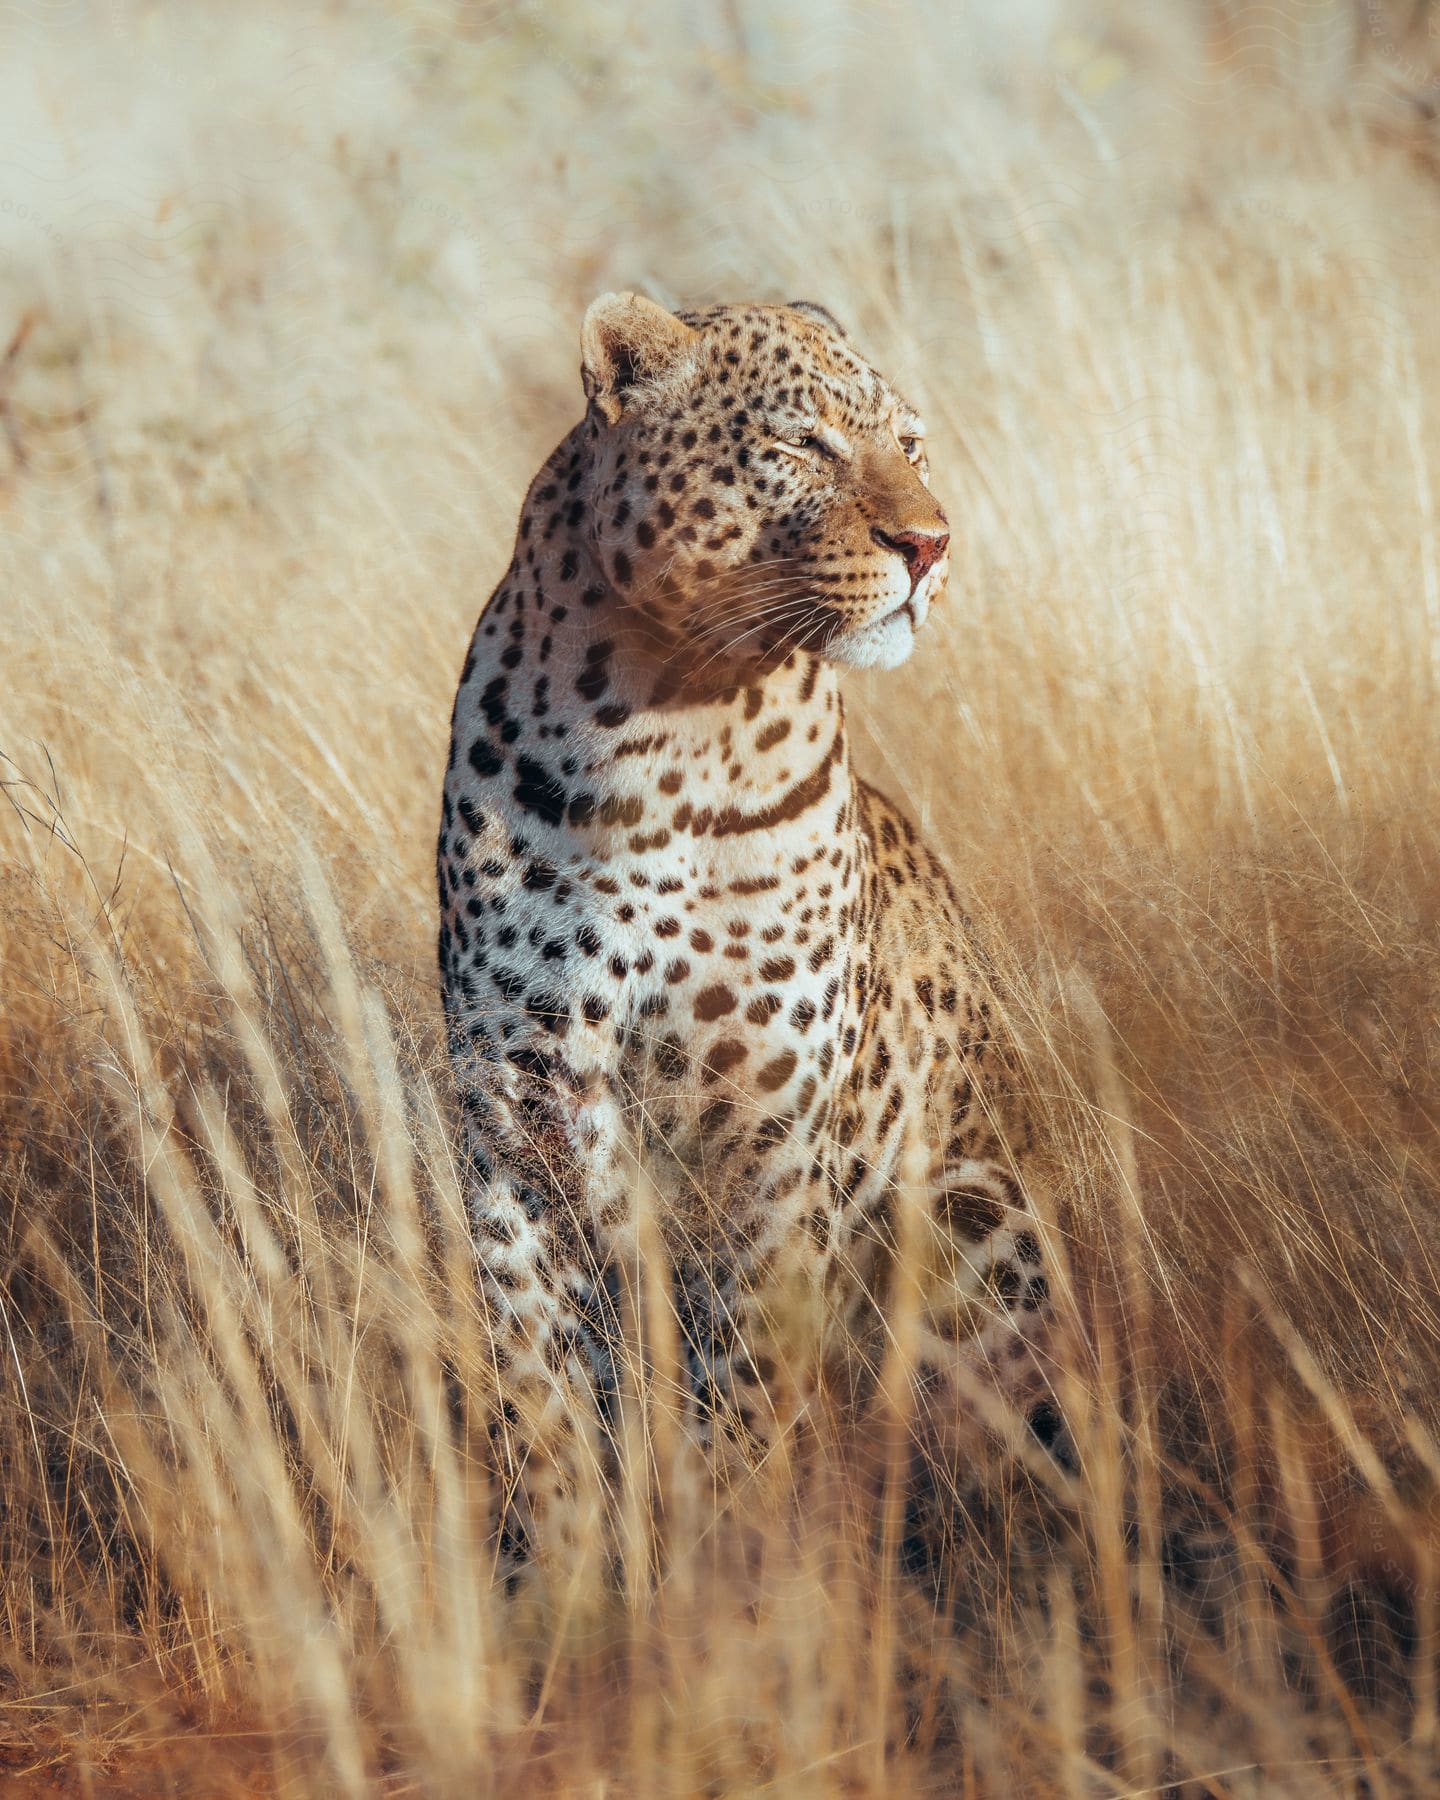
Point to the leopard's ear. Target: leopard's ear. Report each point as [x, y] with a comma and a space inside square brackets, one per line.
[624, 341]
[816, 311]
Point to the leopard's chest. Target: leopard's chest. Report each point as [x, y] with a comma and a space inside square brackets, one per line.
[728, 1003]
[676, 906]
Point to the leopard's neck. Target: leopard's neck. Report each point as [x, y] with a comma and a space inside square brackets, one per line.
[582, 738]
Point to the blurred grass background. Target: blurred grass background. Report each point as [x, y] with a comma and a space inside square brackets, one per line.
[288, 314]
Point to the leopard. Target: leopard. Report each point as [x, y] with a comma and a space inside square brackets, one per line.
[684, 948]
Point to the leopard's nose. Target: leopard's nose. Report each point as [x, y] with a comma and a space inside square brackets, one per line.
[921, 549]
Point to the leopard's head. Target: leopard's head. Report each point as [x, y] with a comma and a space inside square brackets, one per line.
[755, 487]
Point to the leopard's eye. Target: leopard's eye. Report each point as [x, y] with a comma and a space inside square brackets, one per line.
[912, 446]
[810, 444]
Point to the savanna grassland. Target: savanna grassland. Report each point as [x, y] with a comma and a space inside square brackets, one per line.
[288, 314]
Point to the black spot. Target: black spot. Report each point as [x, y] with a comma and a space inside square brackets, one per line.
[550, 1008]
[670, 1059]
[1048, 1425]
[539, 791]
[510, 982]
[595, 676]
[484, 759]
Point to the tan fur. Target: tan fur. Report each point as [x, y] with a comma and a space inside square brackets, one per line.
[672, 917]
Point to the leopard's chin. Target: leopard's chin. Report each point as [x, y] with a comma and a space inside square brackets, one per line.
[882, 644]
[886, 642]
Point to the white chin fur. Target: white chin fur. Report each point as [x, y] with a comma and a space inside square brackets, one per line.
[885, 644]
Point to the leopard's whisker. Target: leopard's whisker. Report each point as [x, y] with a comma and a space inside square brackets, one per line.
[773, 615]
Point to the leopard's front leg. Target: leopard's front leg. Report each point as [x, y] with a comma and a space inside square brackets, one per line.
[987, 1332]
[964, 1278]
[544, 1173]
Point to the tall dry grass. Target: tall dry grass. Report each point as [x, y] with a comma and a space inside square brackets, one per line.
[290, 302]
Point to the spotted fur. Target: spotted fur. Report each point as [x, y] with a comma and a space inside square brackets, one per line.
[674, 922]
